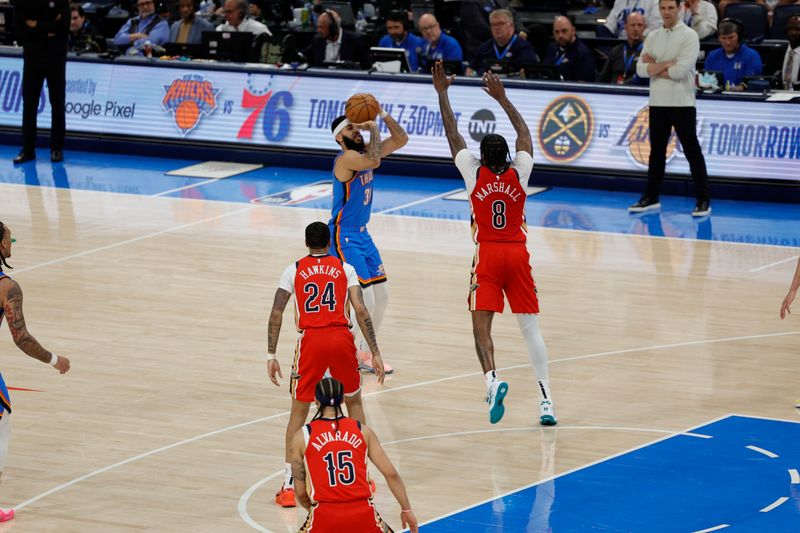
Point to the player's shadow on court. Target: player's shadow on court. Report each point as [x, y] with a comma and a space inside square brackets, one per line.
[654, 225]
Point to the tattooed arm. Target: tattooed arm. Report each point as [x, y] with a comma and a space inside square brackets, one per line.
[299, 470]
[398, 139]
[365, 323]
[441, 83]
[12, 308]
[494, 88]
[273, 332]
[374, 146]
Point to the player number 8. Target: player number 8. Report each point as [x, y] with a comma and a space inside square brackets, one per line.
[499, 214]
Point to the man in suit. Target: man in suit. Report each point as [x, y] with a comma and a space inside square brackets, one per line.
[474, 16]
[83, 37]
[137, 31]
[568, 54]
[333, 44]
[620, 67]
[785, 62]
[505, 45]
[189, 29]
[42, 26]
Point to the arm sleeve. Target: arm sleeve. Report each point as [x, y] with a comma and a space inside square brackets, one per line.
[352, 276]
[160, 34]
[686, 59]
[523, 162]
[452, 51]
[121, 38]
[753, 66]
[705, 22]
[468, 165]
[613, 15]
[287, 279]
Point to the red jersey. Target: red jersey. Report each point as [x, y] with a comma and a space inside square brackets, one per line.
[498, 207]
[320, 288]
[336, 461]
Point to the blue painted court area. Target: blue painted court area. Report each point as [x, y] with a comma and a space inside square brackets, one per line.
[565, 208]
[683, 483]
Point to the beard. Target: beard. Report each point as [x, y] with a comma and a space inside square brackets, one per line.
[352, 144]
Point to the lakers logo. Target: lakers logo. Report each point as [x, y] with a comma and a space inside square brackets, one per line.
[565, 129]
[637, 138]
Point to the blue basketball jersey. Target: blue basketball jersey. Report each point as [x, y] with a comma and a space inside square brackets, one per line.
[5, 399]
[352, 200]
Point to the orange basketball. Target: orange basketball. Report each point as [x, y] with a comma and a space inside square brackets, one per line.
[187, 114]
[361, 108]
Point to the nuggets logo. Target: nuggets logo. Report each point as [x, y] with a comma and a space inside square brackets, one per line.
[565, 129]
[189, 98]
[637, 138]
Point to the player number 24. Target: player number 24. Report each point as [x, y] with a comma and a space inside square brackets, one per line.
[342, 470]
[328, 298]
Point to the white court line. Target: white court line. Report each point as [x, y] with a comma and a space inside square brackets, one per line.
[715, 528]
[163, 193]
[794, 476]
[422, 201]
[135, 239]
[763, 451]
[376, 393]
[766, 418]
[245, 498]
[774, 504]
[776, 263]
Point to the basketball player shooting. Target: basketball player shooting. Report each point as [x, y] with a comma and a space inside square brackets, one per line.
[352, 203]
[497, 192]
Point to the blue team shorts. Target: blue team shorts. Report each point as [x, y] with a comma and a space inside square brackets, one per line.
[355, 246]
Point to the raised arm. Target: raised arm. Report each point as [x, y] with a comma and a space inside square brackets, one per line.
[494, 88]
[353, 161]
[12, 308]
[379, 458]
[367, 329]
[299, 469]
[441, 83]
[273, 332]
[398, 138]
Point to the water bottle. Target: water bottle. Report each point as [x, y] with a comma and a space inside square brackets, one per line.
[361, 21]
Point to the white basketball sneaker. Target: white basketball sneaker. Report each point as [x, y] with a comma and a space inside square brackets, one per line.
[547, 413]
[494, 397]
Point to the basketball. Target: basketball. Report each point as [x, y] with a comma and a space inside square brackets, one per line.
[361, 108]
[187, 114]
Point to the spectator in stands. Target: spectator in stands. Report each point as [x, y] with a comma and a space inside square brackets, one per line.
[573, 59]
[701, 16]
[438, 45]
[235, 12]
[83, 37]
[771, 4]
[474, 15]
[785, 62]
[189, 29]
[734, 58]
[136, 31]
[620, 66]
[506, 45]
[399, 37]
[332, 44]
[615, 22]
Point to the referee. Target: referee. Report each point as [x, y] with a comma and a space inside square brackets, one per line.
[668, 59]
[42, 26]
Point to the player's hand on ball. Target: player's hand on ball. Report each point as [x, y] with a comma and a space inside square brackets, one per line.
[62, 364]
[494, 87]
[274, 369]
[377, 365]
[440, 81]
[407, 519]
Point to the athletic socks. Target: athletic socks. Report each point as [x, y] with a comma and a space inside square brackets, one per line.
[491, 376]
[288, 480]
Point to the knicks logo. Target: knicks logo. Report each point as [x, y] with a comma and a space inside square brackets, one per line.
[188, 98]
[637, 138]
[565, 129]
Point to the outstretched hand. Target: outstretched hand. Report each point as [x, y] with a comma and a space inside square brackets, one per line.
[440, 80]
[494, 87]
[786, 303]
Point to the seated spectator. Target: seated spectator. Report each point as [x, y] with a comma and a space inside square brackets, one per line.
[572, 58]
[474, 15]
[620, 66]
[136, 31]
[438, 45]
[723, 4]
[83, 37]
[785, 62]
[189, 29]
[615, 22]
[332, 44]
[235, 12]
[734, 59]
[701, 16]
[399, 37]
[505, 45]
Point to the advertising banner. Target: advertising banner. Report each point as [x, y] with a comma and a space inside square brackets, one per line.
[576, 129]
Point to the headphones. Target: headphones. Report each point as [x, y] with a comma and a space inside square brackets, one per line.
[737, 24]
[333, 26]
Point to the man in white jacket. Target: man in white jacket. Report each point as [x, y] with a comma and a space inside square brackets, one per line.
[615, 22]
[668, 59]
[701, 16]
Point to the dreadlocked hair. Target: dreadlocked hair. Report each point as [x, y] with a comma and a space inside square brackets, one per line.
[494, 153]
[3, 259]
[329, 392]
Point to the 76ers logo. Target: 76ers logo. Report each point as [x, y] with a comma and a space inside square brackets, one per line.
[260, 96]
[189, 98]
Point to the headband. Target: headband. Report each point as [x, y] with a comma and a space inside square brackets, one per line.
[342, 125]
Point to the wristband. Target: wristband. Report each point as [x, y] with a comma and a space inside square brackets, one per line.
[405, 510]
[272, 357]
[382, 114]
[54, 360]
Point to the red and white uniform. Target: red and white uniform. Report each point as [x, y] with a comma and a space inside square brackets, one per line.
[320, 286]
[502, 262]
[336, 475]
